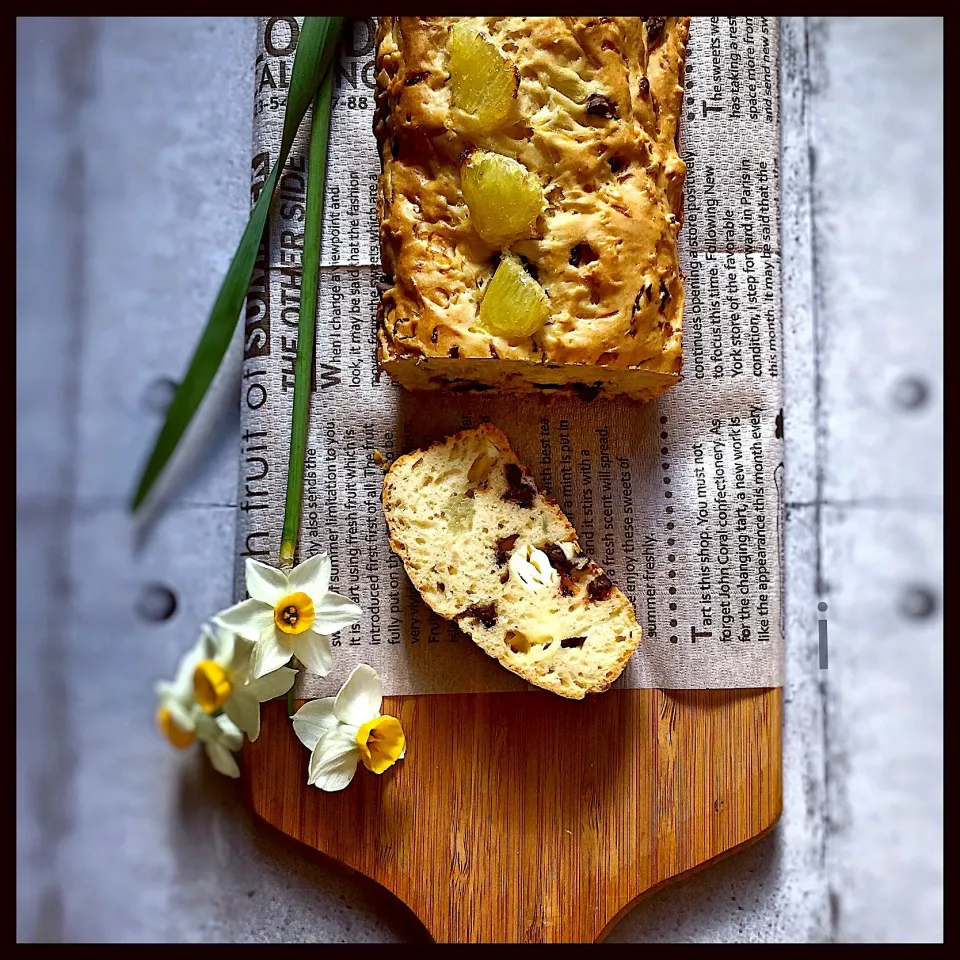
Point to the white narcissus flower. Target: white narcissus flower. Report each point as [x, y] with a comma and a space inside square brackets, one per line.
[182, 720]
[290, 615]
[175, 701]
[221, 738]
[222, 680]
[344, 730]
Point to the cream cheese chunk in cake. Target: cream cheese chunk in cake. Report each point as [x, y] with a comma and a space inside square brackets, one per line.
[485, 548]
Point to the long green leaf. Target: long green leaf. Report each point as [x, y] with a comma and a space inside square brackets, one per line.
[306, 327]
[315, 51]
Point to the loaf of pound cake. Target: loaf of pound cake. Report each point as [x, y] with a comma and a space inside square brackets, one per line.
[486, 549]
[529, 203]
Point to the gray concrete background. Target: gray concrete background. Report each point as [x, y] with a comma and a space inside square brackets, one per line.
[133, 140]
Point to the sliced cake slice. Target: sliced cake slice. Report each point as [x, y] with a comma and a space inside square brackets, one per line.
[485, 548]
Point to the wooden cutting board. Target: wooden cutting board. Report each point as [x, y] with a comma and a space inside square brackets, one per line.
[522, 817]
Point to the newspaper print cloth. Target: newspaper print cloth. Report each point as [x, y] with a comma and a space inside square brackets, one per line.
[680, 500]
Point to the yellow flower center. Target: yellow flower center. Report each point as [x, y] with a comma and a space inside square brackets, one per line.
[179, 737]
[294, 613]
[381, 742]
[211, 685]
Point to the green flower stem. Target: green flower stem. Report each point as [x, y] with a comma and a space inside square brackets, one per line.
[315, 54]
[291, 700]
[306, 330]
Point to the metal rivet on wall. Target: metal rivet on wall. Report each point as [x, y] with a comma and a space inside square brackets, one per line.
[911, 393]
[156, 603]
[159, 395]
[918, 602]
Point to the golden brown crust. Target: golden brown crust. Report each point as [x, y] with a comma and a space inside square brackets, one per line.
[614, 183]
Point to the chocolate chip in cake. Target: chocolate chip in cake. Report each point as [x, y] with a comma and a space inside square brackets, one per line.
[644, 86]
[599, 588]
[485, 613]
[531, 268]
[453, 352]
[471, 388]
[504, 546]
[558, 559]
[573, 642]
[664, 296]
[583, 253]
[519, 489]
[644, 293]
[600, 106]
[655, 27]
[616, 164]
[435, 335]
[568, 586]
[414, 78]
[586, 391]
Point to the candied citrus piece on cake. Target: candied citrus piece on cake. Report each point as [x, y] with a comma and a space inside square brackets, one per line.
[504, 197]
[483, 84]
[514, 304]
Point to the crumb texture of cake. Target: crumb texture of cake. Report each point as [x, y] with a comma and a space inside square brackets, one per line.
[486, 549]
[545, 141]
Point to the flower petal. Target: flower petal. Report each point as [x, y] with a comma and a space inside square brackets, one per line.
[219, 729]
[270, 685]
[314, 719]
[335, 613]
[222, 760]
[249, 618]
[359, 698]
[266, 583]
[206, 726]
[182, 686]
[180, 715]
[313, 651]
[220, 644]
[334, 761]
[244, 710]
[269, 654]
[312, 577]
[230, 735]
[210, 641]
[238, 666]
